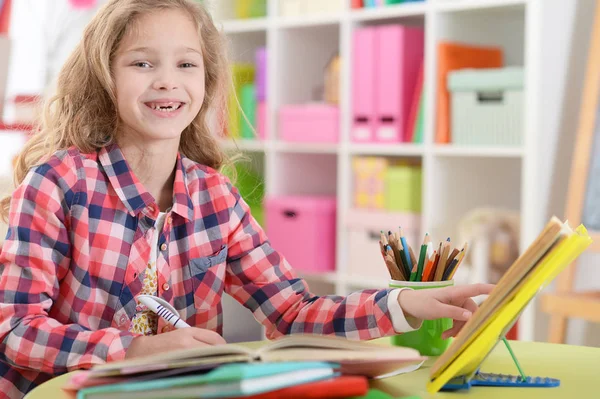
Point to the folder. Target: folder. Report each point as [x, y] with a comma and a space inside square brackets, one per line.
[452, 56]
[399, 58]
[413, 116]
[363, 85]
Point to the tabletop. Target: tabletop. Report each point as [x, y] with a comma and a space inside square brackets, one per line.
[576, 367]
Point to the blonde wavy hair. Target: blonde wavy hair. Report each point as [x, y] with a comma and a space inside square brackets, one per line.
[83, 112]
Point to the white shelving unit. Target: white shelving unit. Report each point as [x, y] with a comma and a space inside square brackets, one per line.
[298, 49]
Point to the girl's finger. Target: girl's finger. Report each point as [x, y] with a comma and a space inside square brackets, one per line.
[453, 312]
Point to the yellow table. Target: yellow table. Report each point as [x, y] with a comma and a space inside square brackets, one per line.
[576, 366]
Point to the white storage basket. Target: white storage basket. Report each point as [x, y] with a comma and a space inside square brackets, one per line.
[487, 106]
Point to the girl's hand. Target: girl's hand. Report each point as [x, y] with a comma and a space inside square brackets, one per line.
[448, 302]
[181, 338]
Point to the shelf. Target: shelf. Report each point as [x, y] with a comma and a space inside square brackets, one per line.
[307, 21]
[389, 12]
[306, 148]
[387, 149]
[450, 150]
[245, 25]
[470, 5]
[244, 145]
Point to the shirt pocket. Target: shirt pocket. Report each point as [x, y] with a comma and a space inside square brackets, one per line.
[208, 279]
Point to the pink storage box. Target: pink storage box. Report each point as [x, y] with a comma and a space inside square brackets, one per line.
[315, 123]
[364, 232]
[302, 229]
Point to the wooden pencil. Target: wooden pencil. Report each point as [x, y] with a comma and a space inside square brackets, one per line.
[429, 267]
[383, 238]
[393, 270]
[452, 256]
[441, 266]
[397, 257]
[451, 267]
[435, 263]
[404, 256]
[412, 256]
[464, 253]
[422, 257]
[406, 247]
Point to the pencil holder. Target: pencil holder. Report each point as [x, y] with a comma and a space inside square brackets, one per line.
[427, 339]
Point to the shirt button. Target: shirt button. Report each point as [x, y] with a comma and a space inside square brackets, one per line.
[163, 247]
[169, 220]
[166, 287]
[166, 329]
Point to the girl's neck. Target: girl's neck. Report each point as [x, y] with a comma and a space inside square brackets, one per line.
[154, 166]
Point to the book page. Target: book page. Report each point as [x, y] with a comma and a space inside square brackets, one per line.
[313, 341]
[177, 358]
[507, 285]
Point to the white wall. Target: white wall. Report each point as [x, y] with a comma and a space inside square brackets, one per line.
[565, 60]
[42, 35]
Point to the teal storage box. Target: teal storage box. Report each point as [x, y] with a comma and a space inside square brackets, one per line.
[487, 106]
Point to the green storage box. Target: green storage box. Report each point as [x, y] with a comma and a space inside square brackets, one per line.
[248, 104]
[403, 188]
[250, 8]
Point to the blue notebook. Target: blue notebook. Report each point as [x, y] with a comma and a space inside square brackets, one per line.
[236, 379]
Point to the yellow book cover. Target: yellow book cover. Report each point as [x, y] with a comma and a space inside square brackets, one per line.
[554, 249]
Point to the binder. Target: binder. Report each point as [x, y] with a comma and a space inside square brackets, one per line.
[363, 84]
[399, 58]
[453, 56]
[458, 368]
[415, 107]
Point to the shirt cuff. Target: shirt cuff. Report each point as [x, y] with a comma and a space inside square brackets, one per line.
[399, 322]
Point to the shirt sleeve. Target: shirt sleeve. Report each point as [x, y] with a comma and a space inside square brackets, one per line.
[399, 321]
[262, 280]
[35, 254]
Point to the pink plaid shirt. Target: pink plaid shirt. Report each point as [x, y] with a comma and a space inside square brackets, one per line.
[79, 235]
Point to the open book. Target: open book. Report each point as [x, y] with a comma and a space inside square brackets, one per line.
[354, 357]
[557, 246]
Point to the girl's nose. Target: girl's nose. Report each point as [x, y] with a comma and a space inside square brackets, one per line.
[165, 80]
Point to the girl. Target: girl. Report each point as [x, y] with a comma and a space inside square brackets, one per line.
[119, 195]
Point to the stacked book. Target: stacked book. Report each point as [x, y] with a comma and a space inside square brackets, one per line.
[292, 366]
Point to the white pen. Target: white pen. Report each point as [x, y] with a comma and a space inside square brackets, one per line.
[163, 309]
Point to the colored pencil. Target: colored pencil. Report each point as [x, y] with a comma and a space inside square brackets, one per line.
[422, 257]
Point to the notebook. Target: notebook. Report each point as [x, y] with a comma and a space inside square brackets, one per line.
[557, 246]
[354, 357]
[230, 380]
[337, 387]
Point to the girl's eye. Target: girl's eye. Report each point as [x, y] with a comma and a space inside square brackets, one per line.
[187, 65]
[142, 64]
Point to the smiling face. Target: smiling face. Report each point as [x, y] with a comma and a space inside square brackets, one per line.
[158, 71]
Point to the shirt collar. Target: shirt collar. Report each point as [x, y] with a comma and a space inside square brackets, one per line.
[133, 194]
